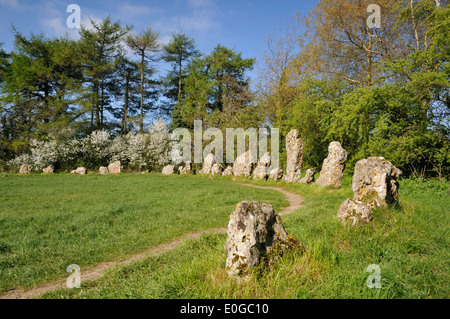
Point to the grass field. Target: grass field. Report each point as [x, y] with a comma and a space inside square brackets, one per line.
[94, 218]
[48, 222]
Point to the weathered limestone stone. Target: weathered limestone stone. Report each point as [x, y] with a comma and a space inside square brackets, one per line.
[208, 164]
[253, 229]
[375, 182]
[243, 165]
[374, 185]
[309, 177]
[294, 151]
[217, 169]
[48, 170]
[25, 169]
[103, 170]
[276, 174]
[79, 170]
[228, 171]
[114, 168]
[186, 169]
[354, 211]
[333, 166]
[168, 170]
[261, 170]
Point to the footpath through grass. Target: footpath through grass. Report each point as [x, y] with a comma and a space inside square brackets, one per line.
[409, 242]
[48, 222]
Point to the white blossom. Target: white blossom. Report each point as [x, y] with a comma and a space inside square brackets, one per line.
[151, 149]
[43, 153]
[20, 160]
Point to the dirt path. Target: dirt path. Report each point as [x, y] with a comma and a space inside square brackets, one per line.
[294, 200]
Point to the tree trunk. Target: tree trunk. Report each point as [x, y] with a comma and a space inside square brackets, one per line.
[179, 80]
[141, 129]
[369, 63]
[94, 108]
[124, 128]
[46, 108]
[102, 103]
[413, 19]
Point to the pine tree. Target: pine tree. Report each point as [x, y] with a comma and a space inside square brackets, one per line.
[101, 49]
[216, 89]
[145, 46]
[178, 52]
[126, 92]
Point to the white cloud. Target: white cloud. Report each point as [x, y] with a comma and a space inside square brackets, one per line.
[57, 25]
[196, 22]
[165, 40]
[87, 23]
[52, 20]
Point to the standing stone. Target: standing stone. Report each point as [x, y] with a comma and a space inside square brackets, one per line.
[217, 169]
[186, 169]
[333, 166]
[168, 170]
[309, 177]
[375, 182]
[276, 174]
[243, 165]
[25, 169]
[374, 185]
[103, 170]
[114, 168]
[261, 171]
[48, 169]
[79, 170]
[294, 151]
[253, 229]
[208, 164]
[228, 171]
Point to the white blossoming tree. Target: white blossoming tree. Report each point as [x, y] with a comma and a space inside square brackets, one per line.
[137, 151]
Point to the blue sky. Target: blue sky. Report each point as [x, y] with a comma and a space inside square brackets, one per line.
[241, 25]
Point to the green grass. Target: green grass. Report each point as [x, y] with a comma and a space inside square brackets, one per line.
[48, 222]
[409, 242]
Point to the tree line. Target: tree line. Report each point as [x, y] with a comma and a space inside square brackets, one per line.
[108, 80]
[378, 91]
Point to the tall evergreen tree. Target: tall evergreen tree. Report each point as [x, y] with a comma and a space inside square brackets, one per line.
[145, 46]
[4, 64]
[101, 49]
[43, 82]
[216, 89]
[127, 93]
[178, 52]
